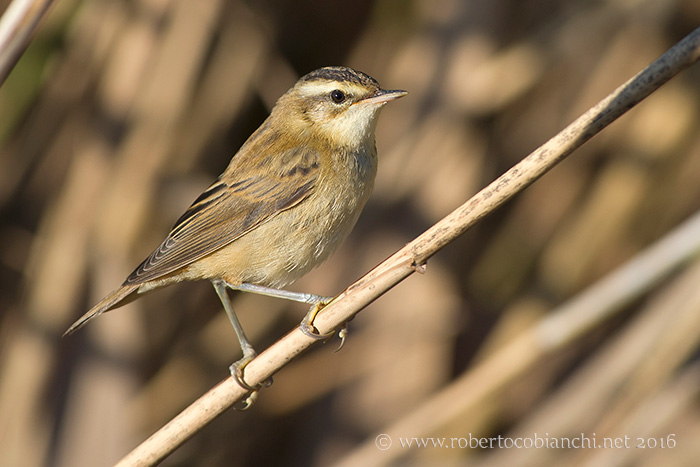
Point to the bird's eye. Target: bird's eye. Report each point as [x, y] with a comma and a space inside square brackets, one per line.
[338, 96]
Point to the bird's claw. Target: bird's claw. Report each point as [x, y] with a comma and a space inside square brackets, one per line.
[310, 330]
[237, 374]
[307, 327]
[343, 334]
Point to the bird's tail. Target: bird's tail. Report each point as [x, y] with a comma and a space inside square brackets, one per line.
[113, 300]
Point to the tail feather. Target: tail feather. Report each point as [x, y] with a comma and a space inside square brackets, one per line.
[115, 299]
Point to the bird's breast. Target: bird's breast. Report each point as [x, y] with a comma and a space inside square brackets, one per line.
[297, 239]
[340, 196]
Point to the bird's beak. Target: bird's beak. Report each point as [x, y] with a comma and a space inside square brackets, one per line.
[383, 96]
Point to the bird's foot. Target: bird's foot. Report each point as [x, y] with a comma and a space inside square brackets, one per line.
[307, 327]
[236, 370]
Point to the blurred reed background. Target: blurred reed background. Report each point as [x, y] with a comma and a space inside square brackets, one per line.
[121, 112]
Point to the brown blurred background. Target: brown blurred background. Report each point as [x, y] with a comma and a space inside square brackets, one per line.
[121, 112]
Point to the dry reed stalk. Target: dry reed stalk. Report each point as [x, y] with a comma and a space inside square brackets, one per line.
[16, 27]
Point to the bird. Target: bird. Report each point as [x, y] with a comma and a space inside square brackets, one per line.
[289, 196]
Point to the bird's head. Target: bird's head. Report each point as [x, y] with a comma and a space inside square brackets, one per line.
[335, 103]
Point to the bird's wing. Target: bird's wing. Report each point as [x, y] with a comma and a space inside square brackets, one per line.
[249, 193]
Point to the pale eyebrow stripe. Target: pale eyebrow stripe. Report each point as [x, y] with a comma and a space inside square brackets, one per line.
[313, 88]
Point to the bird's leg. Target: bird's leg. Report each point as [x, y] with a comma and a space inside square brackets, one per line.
[279, 293]
[247, 349]
[317, 303]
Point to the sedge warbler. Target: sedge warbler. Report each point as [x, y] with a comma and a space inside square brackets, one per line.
[289, 196]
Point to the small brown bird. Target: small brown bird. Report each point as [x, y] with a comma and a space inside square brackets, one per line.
[289, 196]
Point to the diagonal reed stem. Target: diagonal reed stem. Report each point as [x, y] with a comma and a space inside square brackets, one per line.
[16, 27]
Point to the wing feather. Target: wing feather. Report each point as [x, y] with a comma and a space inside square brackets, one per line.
[243, 198]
